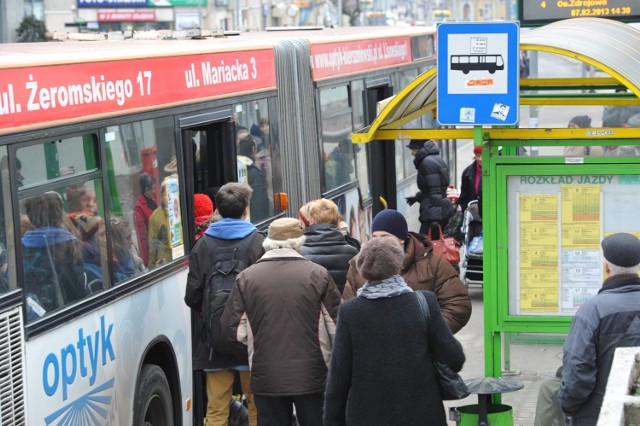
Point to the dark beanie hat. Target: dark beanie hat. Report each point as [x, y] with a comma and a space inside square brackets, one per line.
[622, 249]
[416, 143]
[392, 222]
[379, 258]
[581, 121]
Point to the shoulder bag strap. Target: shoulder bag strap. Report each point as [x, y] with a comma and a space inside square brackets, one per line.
[422, 301]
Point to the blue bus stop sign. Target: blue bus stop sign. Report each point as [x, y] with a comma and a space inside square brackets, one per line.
[478, 73]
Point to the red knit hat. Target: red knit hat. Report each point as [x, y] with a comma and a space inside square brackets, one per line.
[202, 208]
[477, 150]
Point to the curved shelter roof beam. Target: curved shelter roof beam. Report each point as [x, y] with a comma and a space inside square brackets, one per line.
[609, 45]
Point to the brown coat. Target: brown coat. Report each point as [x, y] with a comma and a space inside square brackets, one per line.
[423, 270]
[284, 308]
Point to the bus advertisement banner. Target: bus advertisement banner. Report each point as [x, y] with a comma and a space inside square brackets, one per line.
[331, 59]
[39, 95]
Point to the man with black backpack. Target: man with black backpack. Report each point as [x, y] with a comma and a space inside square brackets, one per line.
[227, 247]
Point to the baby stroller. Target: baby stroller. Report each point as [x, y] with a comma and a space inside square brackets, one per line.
[471, 250]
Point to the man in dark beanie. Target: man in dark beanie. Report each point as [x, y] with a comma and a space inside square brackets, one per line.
[284, 308]
[608, 320]
[420, 268]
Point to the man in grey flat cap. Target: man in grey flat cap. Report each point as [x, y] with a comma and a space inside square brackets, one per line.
[609, 320]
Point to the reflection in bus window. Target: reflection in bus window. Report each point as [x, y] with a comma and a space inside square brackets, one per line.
[141, 162]
[126, 262]
[255, 177]
[338, 164]
[357, 107]
[262, 166]
[85, 221]
[7, 247]
[53, 258]
[337, 149]
[60, 158]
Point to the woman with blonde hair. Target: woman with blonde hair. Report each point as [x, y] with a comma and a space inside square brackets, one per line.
[325, 245]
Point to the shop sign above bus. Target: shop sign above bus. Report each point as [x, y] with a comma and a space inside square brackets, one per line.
[478, 75]
[47, 94]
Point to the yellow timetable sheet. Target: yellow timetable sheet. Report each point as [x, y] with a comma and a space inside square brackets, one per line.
[580, 216]
[538, 253]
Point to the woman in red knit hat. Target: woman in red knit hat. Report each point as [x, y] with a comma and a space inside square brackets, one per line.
[203, 212]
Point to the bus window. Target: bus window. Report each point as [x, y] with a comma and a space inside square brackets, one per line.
[63, 157]
[337, 149]
[145, 226]
[357, 106]
[7, 246]
[257, 157]
[64, 247]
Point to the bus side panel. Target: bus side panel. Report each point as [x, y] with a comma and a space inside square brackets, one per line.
[88, 368]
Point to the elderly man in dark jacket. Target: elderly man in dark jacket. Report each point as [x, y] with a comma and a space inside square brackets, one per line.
[421, 269]
[324, 243]
[603, 323]
[284, 309]
[433, 180]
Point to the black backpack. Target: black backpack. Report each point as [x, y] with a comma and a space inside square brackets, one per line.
[227, 261]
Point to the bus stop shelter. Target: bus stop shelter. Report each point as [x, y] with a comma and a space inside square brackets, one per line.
[544, 215]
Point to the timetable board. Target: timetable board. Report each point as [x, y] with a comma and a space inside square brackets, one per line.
[555, 226]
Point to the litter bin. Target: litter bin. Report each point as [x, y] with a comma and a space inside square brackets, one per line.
[484, 413]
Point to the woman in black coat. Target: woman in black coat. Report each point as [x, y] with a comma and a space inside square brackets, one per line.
[381, 370]
[324, 244]
[432, 180]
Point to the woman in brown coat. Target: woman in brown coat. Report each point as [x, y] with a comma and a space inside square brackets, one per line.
[421, 269]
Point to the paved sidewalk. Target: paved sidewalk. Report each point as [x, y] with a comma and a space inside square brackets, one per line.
[529, 363]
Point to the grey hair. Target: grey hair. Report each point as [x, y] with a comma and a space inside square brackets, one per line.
[617, 270]
[291, 243]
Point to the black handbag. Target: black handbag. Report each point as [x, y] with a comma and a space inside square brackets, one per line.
[451, 384]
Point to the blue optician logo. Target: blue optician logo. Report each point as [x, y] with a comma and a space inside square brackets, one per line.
[89, 409]
[80, 360]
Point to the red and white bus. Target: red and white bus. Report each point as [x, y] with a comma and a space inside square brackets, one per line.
[95, 328]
